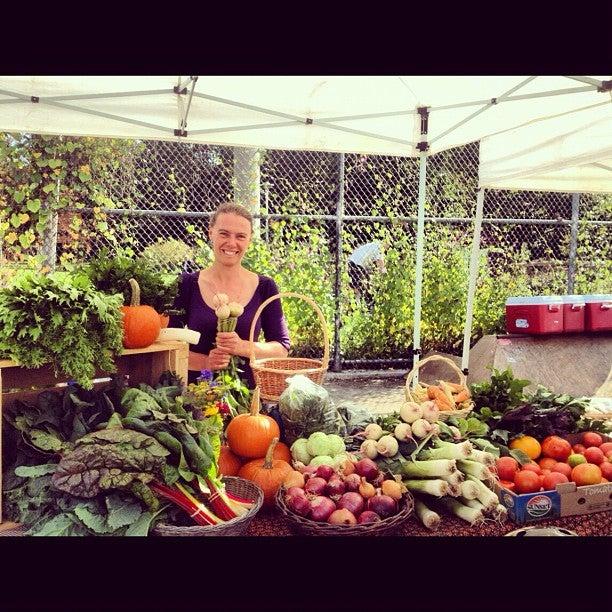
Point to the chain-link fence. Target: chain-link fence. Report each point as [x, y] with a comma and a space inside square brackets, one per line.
[316, 209]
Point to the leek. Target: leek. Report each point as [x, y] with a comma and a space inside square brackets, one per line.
[453, 451]
[485, 495]
[482, 457]
[428, 517]
[455, 478]
[474, 468]
[431, 468]
[469, 490]
[463, 449]
[472, 515]
[472, 503]
[437, 488]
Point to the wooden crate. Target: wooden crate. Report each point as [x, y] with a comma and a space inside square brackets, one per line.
[141, 365]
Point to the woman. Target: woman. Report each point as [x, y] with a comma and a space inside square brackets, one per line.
[230, 231]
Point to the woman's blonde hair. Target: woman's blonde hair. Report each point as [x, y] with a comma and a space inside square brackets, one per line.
[234, 209]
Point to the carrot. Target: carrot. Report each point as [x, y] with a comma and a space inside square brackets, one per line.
[461, 397]
[431, 392]
[441, 400]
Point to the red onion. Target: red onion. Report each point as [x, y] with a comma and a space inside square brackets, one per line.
[335, 486]
[315, 485]
[383, 505]
[342, 517]
[351, 501]
[321, 508]
[367, 516]
[293, 491]
[299, 504]
[366, 467]
[352, 482]
[325, 471]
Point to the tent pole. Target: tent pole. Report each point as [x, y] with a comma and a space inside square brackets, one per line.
[473, 277]
[418, 281]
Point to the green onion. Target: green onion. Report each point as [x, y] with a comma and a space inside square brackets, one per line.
[431, 468]
[437, 488]
[428, 517]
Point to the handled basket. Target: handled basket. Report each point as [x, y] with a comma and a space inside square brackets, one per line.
[235, 527]
[307, 526]
[271, 373]
[444, 414]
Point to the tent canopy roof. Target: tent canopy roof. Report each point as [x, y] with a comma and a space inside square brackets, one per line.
[369, 115]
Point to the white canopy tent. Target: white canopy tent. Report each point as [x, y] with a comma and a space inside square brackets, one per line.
[379, 115]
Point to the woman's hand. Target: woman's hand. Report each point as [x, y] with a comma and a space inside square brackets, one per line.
[218, 359]
[231, 343]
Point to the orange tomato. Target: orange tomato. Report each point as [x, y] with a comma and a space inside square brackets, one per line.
[586, 474]
[528, 445]
[557, 448]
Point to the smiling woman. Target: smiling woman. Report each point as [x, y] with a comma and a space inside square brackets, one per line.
[230, 232]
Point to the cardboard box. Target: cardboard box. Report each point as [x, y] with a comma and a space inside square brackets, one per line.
[540, 314]
[566, 500]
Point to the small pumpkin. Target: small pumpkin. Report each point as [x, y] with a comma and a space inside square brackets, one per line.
[249, 435]
[228, 463]
[141, 324]
[282, 451]
[267, 472]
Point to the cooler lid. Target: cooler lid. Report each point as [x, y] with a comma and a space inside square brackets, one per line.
[573, 299]
[598, 297]
[531, 300]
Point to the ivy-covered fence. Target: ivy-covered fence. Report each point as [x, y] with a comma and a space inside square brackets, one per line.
[65, 198]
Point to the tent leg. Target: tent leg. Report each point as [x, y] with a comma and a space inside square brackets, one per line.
[418, 281]
[473, 277]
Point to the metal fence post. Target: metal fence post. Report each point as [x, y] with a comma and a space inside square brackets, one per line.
[571, 271]
[337, 285]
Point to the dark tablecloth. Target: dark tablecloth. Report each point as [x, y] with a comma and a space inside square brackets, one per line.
[273, 523]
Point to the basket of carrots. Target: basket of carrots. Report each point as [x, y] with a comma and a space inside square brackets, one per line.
[453, 399]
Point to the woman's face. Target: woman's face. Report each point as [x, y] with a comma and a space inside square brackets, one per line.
[230, 237]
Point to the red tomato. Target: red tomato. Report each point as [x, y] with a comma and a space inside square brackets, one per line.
[552, 479]
[557, 448]
[594, 455]
[506, 468]
[606, 469]
[579, 448]
[590, 438]
[510, 485]
[547, 463]
[606, 447]
[527, 481]
[532, 467]
[563, 468]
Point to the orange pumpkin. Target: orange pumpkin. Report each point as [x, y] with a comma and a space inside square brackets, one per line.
[268, 473]
[141, 324]
[228, 464]
[164, 320]
[281, 451]
[249, 435]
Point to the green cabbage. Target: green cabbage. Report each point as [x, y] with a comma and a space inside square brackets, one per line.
[322, 460]
[299, 451]
[335, 444]
[317, 444]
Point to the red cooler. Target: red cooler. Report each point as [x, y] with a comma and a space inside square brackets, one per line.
[598, 312]
[538, 314]
[573, 313]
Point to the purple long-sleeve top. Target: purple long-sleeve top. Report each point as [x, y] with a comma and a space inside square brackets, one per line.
[199, 316]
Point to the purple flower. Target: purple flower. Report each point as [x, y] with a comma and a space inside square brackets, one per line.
[205, 375]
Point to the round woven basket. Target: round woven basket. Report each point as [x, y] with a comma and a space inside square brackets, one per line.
[308, 527]
[271, 373]
[444, 414]
[237, 526]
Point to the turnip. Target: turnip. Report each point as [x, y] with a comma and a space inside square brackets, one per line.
[368, 448]
[410, 412]
[387, 446]
[421, 428]
[373, 431]
[430, 411]
[403, 432]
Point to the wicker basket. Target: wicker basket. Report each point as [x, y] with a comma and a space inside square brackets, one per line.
[444, 414]
[235, 527]
[271, 373]
[307, 527]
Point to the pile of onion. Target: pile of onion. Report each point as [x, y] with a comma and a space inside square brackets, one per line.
[345, 497]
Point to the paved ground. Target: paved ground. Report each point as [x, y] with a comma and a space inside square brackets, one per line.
[379, 391]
